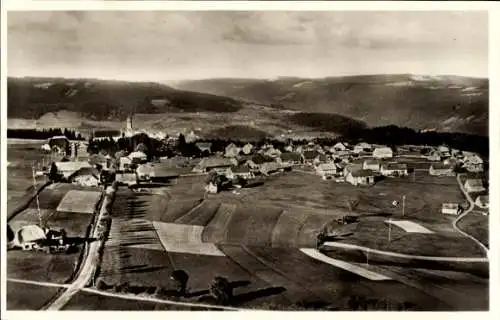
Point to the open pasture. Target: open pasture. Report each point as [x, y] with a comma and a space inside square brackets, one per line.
[184, 238]
[27, 297]
[374, 233]
[476, 225]
[79, 201]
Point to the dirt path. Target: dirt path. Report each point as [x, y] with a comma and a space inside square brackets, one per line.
[466, 212]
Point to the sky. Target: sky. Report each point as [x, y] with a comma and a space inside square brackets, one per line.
[172, 45]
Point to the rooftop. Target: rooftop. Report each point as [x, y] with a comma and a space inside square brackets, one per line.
[363, 173]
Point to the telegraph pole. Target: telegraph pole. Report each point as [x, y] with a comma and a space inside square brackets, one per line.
[404, 198]
[36, 194]
[389, 235]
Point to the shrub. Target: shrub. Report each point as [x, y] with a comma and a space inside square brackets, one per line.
[180, 277]
[221, 290]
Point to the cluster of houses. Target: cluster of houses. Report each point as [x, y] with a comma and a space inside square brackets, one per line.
[35, 238]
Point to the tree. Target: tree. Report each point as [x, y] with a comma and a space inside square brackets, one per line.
[221, 290]
[142, 148]
[180, 277]
[54, 174]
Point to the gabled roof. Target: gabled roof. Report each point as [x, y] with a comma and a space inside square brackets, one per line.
[395, 166]
[290, 156]
[72, 165]
[260, 158]
[382, 150]
[363, 173]
[86, 171]
[371, 162]
[441, 166]
[203, 145]
[310, 154]
[241, 169]
[474, 182]
[450, 205]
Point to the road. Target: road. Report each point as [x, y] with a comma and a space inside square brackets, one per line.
[89, 264]
[466, 212]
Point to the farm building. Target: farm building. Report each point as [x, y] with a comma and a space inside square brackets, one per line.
[125, 163]
[371, 165]
[474, 185]
[450, 208]
[218, 164]
[45, 148]
[270, 168]
[204, 146]
[211, 188]
[155, 172]
[351, 167]
[440, 169]
[434, 156]
[339, 146]
[383, 152]
[394, 169]
[243, 171]
[326, 170]
[361, 177]
[362, 147]
[28, 237]
[257, 160]
[128, 179]
[272, 153]
[247, 148]
[138, 156]
[309, 156]
[59, 144]
[232, 151]
[70, 167]
[473, 163]
[444, 151]
[290, 158]
[483, 202]
[88, 177]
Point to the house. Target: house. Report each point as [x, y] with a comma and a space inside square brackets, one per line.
[340, 146]
[59, 144]
[243, 171]
[474, 185]
[272, 152]
[247, 148]
[204, 146]
[440, 169]
[362, 147]
[444, 151]
[326, 170]
[218, 164]
[211, 188]
[290, 158]
[128, 179]
[350, 167]
[394, 169]
[70, 167]
[483, 202]
[434, 156]
[450, 208]
[382, 152]
[473, 163]
[88, 177]
[125, 163]
[309, 156]
[46, 148]
[361, 177]
[371, 165]
[289, 148]
[138, 156]
[321, 158]
[257, 160]
[231, 151]
[271, 167]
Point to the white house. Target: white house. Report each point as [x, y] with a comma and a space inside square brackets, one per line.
[439, 169]
[326, 170]
[70, 167]
[434, 156]
[473, 163]
[138, 156]
[204, 146]
[46, 148]
[371, 165]
[88, 177]
[394, 169]
[231, 151]
[125, 163]
[214, 163]
[290, 158]
[450, 208]
[247, 148]
[474, 185]
[243, 171]
[483, 202]
[361, 177]
[340, 146]
[444, 151]
[361, 147]
[383, 152]
[211, 188]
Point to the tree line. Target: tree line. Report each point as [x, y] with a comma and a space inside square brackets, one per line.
[43, 134]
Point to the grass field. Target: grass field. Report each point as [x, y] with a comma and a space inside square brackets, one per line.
[27, 297]
[79, 201]
[476, 225]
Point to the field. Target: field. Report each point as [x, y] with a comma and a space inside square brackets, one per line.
[79, 201]
[476, 225]
[22, 296]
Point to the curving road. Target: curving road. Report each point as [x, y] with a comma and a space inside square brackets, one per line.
[466, 212]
